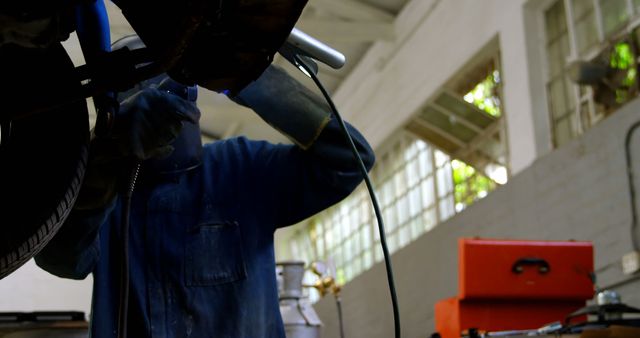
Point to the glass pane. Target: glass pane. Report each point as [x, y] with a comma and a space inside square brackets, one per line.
[387, 193]
[555, 23]
[337, 233]
[563, 131]
[569, 89]
[581, 8]
[400, 183]
[429, 219]
[340, 276]
[345, 227]
[365, 212]
[328, 238]
[416, 228]
[404, 236]
[410, 151]
[354, 220]
[390, 218]
[396, 157]
[337, 256]
[403, 209]
[556, 56]
[558, 98]
[335, 219]
[365, 235]
[367, 260]
[392, 242]
[412, 172]
[446, 208]
[357, 265]
[376, 234]
[414, 201]
[585, 24]
[445, 183]
[426, 188]
[348, 273]
[423, 146]
[357, 247]
[441, 158]
[426, 168]
[378, 253]
[348, 249]
[614, 14]
[320, 247]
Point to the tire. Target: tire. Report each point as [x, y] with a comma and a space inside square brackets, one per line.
[44, 157]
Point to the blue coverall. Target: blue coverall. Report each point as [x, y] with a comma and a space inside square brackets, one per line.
[201, 246]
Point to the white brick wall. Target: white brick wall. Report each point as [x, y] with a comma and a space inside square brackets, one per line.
[577, 192]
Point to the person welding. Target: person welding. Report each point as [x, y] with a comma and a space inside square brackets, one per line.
[202, 220]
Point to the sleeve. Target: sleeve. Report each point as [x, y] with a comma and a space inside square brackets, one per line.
[75, 249]
[291, 184]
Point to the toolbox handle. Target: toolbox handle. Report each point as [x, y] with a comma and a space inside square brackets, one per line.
[543, 265]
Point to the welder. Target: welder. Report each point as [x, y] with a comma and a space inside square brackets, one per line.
[202, 220]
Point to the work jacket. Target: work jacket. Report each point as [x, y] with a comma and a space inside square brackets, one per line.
[201, 247]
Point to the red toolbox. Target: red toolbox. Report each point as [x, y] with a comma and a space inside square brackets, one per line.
[454, 315]
[516, 284]
[499, 269]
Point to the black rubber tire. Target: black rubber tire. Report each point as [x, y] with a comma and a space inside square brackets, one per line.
[42, 164]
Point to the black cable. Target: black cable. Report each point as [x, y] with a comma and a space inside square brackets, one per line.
[632, 190]
[374, 200]
[340, 321]
[123, 308]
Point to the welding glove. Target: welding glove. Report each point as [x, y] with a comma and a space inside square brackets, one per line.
[149, 121]
[146, 125]
[286, 105]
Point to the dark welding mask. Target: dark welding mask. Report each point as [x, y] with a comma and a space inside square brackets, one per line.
[188, 145]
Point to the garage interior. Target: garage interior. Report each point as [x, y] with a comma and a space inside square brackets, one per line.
[485, 127]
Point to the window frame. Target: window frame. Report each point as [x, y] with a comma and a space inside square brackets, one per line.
[583, 96]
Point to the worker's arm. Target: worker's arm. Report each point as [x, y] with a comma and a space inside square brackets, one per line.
[292, 183]
[74, 250]
[147, 123]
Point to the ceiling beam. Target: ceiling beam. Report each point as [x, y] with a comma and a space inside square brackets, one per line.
[456, 118]
[421, 122]
[232, 130]
[343, 31]
[353, 10]
[209, 134]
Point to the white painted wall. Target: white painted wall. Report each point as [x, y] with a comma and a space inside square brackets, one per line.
[435, 39]
[33, 289]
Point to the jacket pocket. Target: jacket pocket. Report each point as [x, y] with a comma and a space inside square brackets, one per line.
[214, 254]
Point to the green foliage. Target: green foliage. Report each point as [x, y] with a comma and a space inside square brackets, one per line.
[485, 95]
[470, 185]
[622, 58]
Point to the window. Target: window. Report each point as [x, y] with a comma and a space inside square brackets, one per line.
[465, 118]
[470, 185]
[591, 67]
[452, 153]
[415, 189]
[418, 186]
